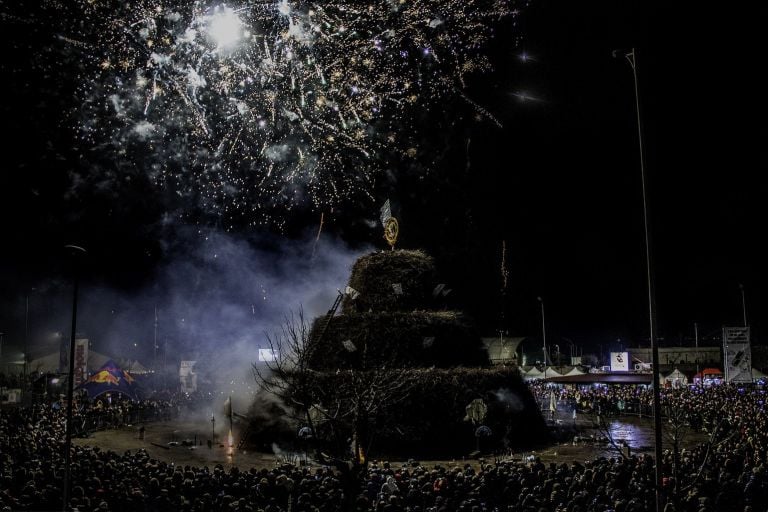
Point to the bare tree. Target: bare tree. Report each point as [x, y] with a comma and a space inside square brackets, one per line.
[344, 400]
[367, 394]
[287, 374]
[678, 426]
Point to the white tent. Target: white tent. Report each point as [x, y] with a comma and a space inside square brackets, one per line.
[533, 373]
[50, 362]
[675, 379]
[574, 371]
[551, 372]
[134, 367]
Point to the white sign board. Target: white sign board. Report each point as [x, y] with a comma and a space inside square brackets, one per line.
[619, 361]
[267, 355]
[188, 377]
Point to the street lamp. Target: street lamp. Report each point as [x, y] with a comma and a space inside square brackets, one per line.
[543, 334]
[75, 253]
[631, 57]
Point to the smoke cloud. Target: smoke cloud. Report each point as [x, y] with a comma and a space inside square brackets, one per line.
[510, 399]
[216, 296]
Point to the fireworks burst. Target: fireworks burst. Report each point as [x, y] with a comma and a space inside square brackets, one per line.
[245, 107]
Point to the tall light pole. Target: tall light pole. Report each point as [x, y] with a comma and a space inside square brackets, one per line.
[26, 343]
[696, 341]
[75, 252]
[631, 57]
[543, 334]
[743, 303]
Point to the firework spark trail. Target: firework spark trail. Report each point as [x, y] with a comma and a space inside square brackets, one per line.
[308, 98]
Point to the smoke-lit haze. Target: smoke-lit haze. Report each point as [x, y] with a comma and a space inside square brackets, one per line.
[216, 297]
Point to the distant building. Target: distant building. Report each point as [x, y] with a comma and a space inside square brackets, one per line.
[678, 356]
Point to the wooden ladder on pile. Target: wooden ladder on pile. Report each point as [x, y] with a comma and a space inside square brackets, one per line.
[329, 316]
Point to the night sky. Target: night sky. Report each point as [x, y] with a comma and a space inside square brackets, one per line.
[559, 183]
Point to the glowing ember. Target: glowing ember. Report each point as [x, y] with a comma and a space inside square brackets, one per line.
[224, 27]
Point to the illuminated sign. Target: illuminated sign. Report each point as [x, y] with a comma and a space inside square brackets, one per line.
[619, 361]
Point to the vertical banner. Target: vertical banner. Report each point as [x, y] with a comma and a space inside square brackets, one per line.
[187, 377]
[737, 354]
[81, 361]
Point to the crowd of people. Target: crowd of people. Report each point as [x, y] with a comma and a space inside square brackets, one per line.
[727, 474]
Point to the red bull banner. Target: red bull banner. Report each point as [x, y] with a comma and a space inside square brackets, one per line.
[110, 378]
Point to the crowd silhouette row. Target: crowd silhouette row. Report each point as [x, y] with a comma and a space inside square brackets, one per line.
[728, 473]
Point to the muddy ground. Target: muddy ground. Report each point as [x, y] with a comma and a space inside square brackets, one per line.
[166, 441]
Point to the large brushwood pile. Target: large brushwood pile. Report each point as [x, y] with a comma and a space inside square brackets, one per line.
[432, 421]
[375, 274]
[391, 319]
[391, 326]
[413, 339]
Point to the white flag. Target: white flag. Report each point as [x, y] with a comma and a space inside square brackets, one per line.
[351, 292]
[386, 213]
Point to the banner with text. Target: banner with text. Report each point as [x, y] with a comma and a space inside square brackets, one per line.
[81, 361]
[737, 354]
[188, 377]
[619, 361]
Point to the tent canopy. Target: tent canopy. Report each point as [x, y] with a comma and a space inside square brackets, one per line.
[676, 376]
[533, 373]
[110, 378]
[134, 366]
[50, 363]
[708, 372]
[551, 372]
